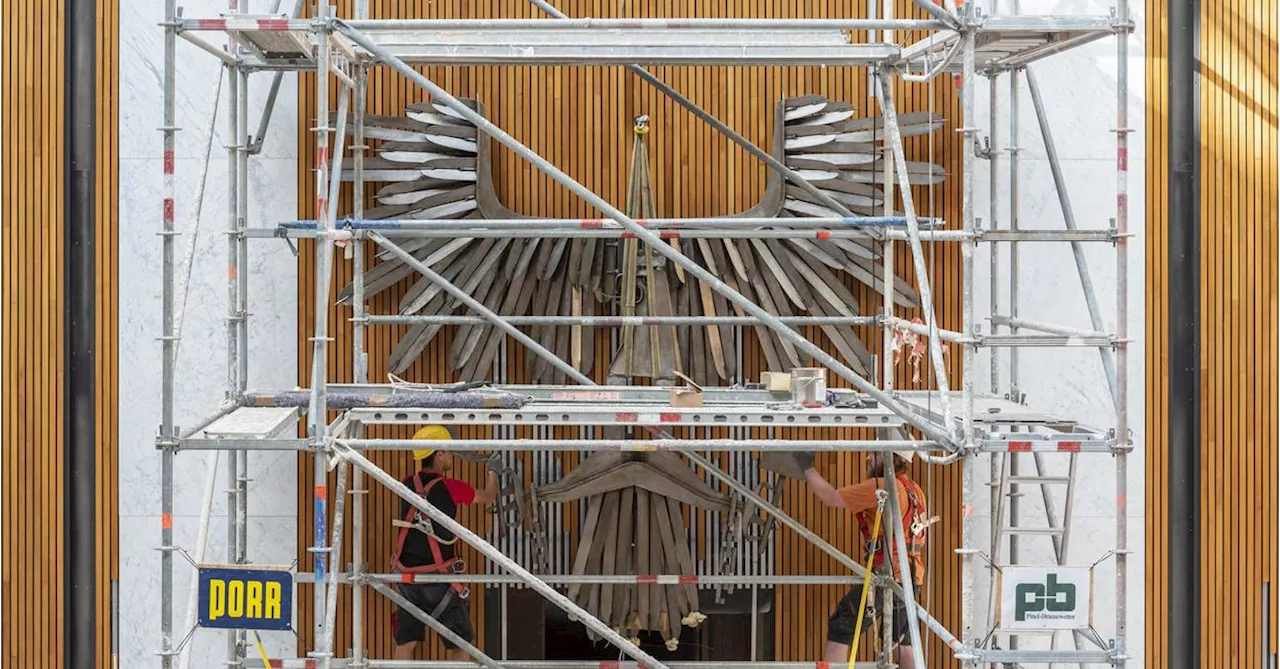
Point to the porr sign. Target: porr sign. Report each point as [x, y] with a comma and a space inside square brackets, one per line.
[259, 598]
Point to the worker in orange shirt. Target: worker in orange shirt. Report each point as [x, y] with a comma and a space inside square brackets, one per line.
[861, 499]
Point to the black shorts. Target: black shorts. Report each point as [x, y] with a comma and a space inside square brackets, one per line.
[456, 615]
[844, 618]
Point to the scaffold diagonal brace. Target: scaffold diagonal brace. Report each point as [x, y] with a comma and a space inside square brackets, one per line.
[400, 600]
[933, 430]
[890, 113]
[488, 550]
[476, 306]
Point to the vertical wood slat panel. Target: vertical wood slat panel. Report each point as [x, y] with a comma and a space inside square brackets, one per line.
[31, 297]
[1239, 202]
[1156, 567]
[579, 119]
[32, 201]
[108, 304]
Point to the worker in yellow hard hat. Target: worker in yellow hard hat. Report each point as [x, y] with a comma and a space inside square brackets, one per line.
[424, 548]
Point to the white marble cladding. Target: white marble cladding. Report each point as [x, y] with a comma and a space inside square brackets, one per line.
[201, 369]
[1079, 92]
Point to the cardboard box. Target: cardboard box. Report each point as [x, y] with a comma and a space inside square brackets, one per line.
[776, 382]
[689, 396]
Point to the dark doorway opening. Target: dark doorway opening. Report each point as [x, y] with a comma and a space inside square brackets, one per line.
[539, 630]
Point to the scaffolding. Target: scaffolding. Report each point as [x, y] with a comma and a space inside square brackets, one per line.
[966, 424]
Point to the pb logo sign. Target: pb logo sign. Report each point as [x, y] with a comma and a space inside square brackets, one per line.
[1044, 598]
[259, 598]
[1050, 597]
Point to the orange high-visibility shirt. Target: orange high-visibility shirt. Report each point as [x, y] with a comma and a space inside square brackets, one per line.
[860, 498]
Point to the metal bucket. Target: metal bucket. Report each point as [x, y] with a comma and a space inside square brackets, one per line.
[809, 386]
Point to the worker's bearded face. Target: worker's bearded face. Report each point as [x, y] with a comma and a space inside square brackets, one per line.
[875, 464]
[443, 462]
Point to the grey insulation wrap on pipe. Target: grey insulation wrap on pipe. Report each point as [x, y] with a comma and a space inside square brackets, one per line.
[406, 399]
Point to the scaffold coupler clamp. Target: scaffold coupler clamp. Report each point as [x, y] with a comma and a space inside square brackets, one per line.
[170, 650]
[1121, 24]
[326, 447]
[283, 233]
[1120, 446]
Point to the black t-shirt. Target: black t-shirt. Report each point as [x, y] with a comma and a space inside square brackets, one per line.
[447, 495]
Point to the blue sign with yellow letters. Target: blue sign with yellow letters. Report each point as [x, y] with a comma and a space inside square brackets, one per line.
[256, 598]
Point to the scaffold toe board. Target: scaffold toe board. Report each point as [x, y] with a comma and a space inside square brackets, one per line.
[552, 45]
[344, 663]
[989, 411]
[541, 395]
[253, 423]
[627, 414]
[1009, 42]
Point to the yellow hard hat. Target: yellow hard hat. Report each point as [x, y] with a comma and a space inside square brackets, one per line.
[429, 433]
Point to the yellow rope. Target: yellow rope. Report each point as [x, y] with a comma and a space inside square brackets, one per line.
[266, 661]
[866, 581]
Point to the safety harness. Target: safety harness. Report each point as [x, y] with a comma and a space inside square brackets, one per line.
[915, 521]
[416, 520]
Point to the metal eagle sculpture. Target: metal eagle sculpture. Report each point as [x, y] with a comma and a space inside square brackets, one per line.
[435, 166]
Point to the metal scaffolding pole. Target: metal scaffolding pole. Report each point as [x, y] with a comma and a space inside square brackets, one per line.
[571, 664]
[993, 204]
[360, 357]
[475, 305]
[616, 321]
[904, 561]
[320, 338]
[888, 254]
[968, 464]
[169, 341]
[233, 303]
[241, 309]
[485, 232]
[413, 609]
[1123, 445]
[1014, 210]
[589, 579]
[242, 306]
[646, 446]
[489, 551]
[374, 27]
[335, 567]
[942, 15]
[1069, 219]
[894, 135]
[398, 225]
[233, 250]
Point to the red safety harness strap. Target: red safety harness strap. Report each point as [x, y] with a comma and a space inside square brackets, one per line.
[439, 564]
[915, 509]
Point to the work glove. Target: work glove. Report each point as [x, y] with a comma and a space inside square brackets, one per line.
[494, 462]
[804, 460]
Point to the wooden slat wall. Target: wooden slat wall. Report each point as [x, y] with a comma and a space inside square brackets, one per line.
[580, 119]
[108, 317]
[31, 294]
[1239, 256]
[1157, 313]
